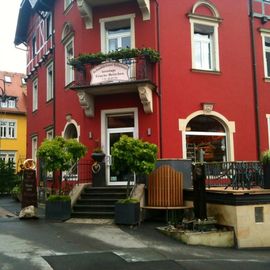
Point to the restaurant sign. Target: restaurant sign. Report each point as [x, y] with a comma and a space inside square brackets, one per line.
[109, 72]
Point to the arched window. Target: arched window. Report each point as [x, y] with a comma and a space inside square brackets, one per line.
[206, 139]
[71, 132]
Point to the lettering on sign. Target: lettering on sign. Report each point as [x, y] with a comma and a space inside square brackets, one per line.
[29, 188]
[109, 73]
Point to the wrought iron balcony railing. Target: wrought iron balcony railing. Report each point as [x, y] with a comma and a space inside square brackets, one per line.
[236, 174]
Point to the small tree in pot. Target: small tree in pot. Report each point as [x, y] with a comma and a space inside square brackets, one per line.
[58, 155]
[139, 158]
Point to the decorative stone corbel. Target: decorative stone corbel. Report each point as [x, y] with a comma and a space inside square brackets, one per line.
[87, 103]
[145, 93]
[145, 9]
[86, 13]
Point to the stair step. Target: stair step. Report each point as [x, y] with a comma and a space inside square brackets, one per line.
[93, 208]
[98, 202]
[102, 201]
[92, 214]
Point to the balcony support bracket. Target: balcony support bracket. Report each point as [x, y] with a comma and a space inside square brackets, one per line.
[86, 13]
[145, 9]
[87, 103]
[145, 93]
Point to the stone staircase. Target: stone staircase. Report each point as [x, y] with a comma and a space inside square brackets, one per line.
[98, 202]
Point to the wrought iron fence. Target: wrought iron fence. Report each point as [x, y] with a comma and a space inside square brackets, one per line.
[238, 174]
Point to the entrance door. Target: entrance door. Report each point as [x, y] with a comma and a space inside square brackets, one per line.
[118, 125]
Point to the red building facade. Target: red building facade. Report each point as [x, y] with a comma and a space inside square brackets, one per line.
[206, 99]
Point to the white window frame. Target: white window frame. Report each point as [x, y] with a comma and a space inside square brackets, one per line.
[50, 82]
[69, 72]
[10, 130]
[214, 50]
[49, 134]
[8, 156]
[49, 25]
[7, 79]
[34, 143]
[265, 33]
[103, 35]
[35, 95]
[268, 128]
[11, 103]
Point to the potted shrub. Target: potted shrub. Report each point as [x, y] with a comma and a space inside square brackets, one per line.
[265, 158]
[136, 157]
[58, 207]
[127, 211]
[59, 154]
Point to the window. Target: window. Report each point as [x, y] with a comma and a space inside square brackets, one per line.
[266, 54]
[49, 134]
[50, 82]
[268, 126]
[34, 46]
[8, 102]
[35, 95]
[204, 46]
[23, 81]
[117, 32]
[34, 148]
[49, 25]
[206, 140]
[69, 54]
[7, 79]
[8, 129]
[8, 156]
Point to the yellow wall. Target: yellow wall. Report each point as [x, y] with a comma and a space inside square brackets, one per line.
[18, 144]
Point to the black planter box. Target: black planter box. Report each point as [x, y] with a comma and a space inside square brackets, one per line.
[266, 176]
[58, 210]
[99, 157]
[127, 214]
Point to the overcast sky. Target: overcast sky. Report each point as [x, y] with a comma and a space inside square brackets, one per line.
[11, 59]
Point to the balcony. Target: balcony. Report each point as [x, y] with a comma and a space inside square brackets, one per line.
[85, 7]
[122, 72]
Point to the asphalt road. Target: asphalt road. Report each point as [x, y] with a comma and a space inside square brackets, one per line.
[42, 244]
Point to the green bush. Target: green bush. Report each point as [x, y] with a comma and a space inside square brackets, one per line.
[265, 157]
[55, 198]
[8, 176]
[127, 201]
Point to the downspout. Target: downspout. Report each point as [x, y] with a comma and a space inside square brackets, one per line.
[159, 91]
[255, 81]
[54, 74]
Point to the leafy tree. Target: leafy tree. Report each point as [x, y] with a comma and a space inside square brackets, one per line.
[59, 154]
[8, 176]
[133, 155]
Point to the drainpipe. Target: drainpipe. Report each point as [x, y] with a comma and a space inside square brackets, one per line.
[54, 74]
[159, 92]
[255, 81]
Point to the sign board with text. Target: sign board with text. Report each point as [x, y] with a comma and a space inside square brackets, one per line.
[29, 188]
[109, 72]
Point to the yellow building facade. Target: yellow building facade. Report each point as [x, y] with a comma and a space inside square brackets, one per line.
[13, 120]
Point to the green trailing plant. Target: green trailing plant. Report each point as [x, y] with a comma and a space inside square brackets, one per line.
[265, 157]
[127, 53]
[59, 154]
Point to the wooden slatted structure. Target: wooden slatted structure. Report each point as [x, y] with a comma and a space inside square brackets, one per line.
[165, 188]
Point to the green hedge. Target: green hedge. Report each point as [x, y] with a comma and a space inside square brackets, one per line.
[8, 176]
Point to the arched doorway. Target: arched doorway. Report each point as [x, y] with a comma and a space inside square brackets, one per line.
[206, 139]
